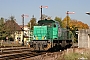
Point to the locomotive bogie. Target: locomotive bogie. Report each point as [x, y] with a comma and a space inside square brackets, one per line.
[40, 45]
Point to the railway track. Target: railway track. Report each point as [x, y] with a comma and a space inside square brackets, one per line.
[17, 53]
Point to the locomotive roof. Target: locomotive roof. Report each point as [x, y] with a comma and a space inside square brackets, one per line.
[46, 21]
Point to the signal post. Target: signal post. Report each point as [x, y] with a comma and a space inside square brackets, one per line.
[23, 27]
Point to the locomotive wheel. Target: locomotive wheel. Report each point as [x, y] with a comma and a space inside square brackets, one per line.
[48, 46]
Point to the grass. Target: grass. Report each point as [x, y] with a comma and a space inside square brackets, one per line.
[75, 56]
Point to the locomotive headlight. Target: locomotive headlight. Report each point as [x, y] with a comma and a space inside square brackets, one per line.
[45, 37]
[36, 38]
[33, 37]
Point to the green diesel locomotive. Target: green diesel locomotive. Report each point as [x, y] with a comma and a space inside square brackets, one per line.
[49, 35]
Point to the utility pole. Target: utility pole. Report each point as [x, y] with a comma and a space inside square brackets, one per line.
[23, 29]
[41, 9]
[14, 29]
[30, 32]
[68, 22]
[41, 12]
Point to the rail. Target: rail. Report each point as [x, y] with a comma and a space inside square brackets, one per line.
[17, 53]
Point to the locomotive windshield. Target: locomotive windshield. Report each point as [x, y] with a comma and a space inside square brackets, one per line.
[45, 22]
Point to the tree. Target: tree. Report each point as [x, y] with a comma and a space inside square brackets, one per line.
[65, 21]
[12, 19]
[45, 17]
[1, 21]
[32, 22]
[2, 29]
[10, 27]
[80, 25]
[59, 20]
[76, 25]
[12, 30]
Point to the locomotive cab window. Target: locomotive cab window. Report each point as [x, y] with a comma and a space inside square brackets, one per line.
[54, 25]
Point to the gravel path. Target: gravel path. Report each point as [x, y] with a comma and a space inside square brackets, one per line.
[47, 56]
